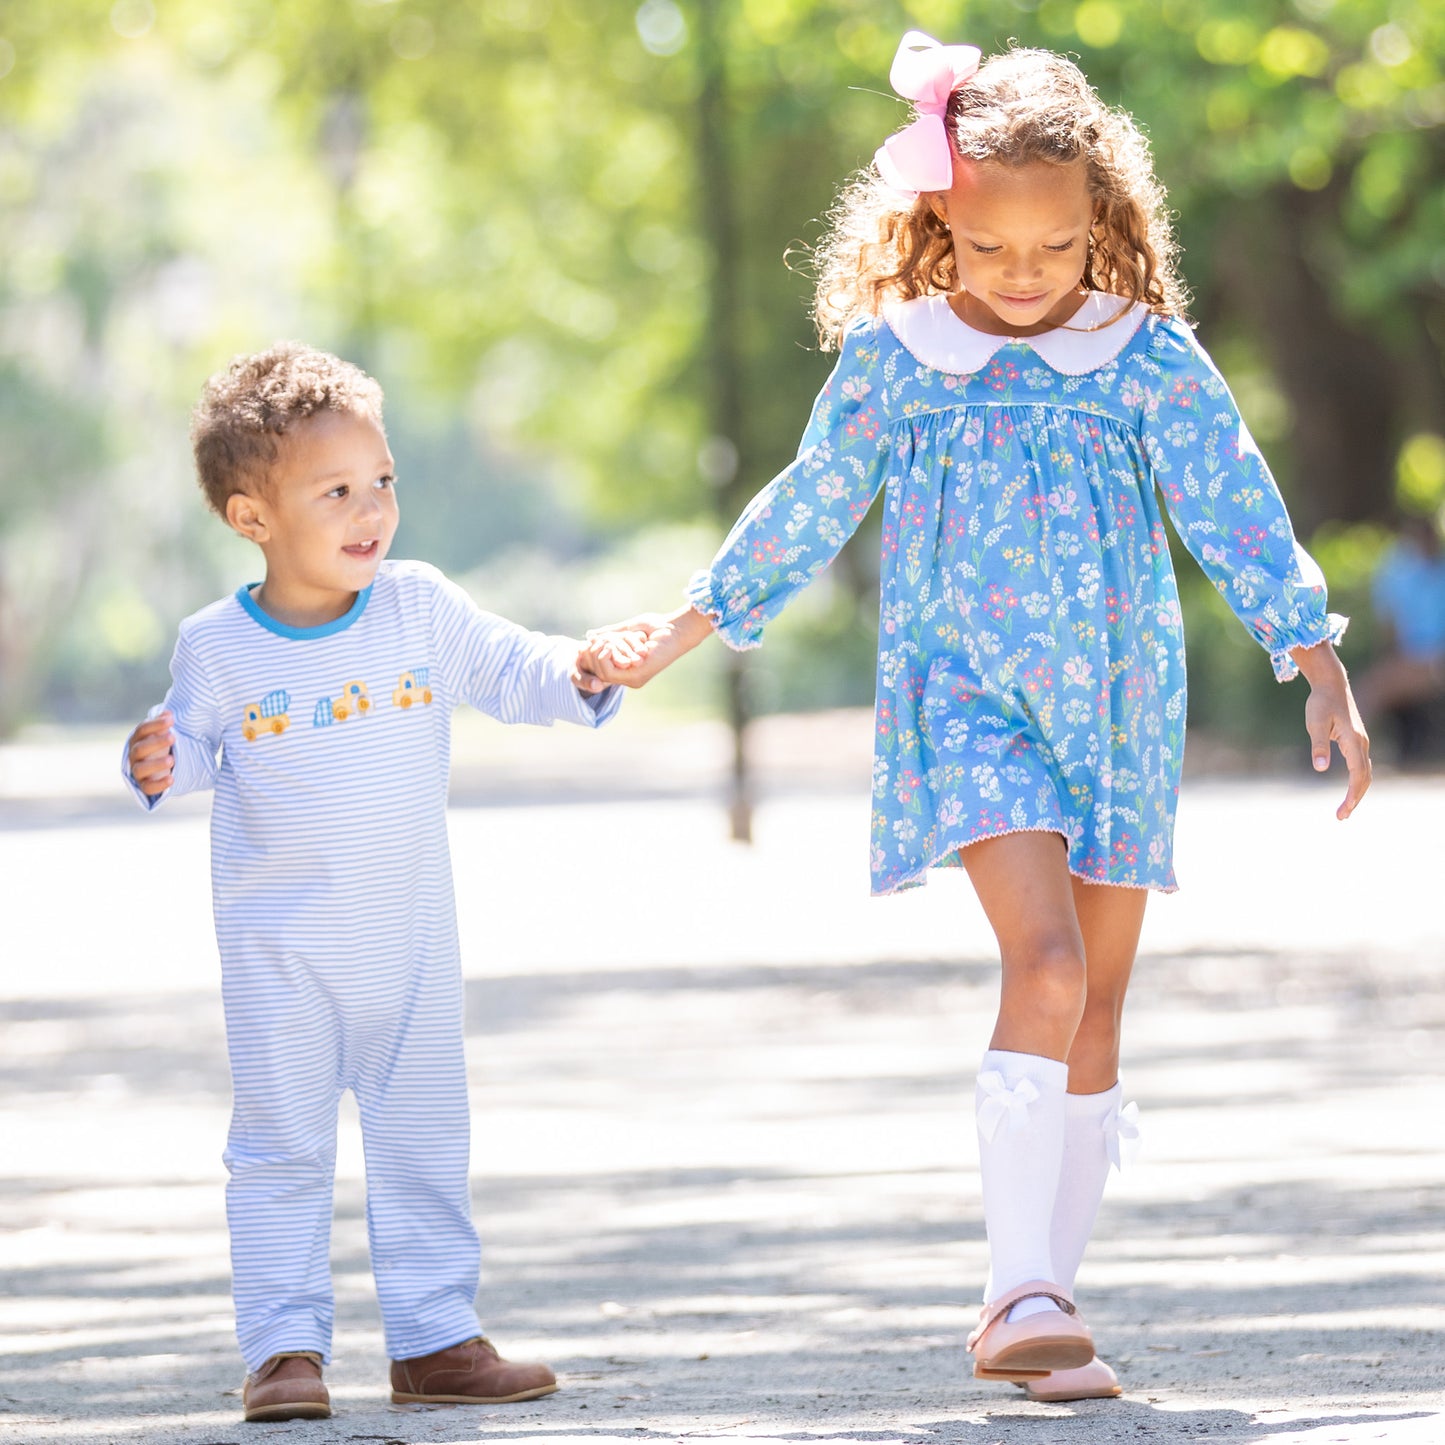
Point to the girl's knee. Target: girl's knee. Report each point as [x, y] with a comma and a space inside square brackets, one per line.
[1051, 971]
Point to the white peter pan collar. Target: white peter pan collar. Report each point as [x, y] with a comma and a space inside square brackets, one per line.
[929, 329]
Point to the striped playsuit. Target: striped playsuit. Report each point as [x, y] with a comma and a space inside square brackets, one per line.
[328, 750]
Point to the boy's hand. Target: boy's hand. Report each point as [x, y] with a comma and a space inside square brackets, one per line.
[150, 754]
[605, 653]
[635, 651]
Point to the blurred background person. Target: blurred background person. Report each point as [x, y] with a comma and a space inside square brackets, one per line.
[1409, 674]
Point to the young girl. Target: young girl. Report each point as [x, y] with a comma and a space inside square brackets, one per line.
[1017, 379]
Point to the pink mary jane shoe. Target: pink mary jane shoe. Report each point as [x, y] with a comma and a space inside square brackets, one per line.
[1094, 1381]
[1029, 1349]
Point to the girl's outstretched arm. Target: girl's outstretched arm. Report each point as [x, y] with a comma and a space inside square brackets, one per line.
[786, 535]
[1332, 717]
[1224, 502]
[614, 657]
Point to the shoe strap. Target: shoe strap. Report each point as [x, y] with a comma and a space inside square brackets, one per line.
[1062, 1300]
[998, 1309]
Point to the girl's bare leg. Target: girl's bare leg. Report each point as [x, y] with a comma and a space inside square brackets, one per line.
[1067, 949]
[1023, 882]
[1110, 920]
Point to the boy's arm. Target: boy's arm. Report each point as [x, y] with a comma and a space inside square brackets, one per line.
[176, 749]
[511, 674]
[150, 756]
[530, 677]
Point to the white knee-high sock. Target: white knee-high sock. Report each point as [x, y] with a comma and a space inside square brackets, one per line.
[1089, 1119]
[1019, 1103]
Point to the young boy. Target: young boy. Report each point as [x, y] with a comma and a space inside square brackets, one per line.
[318, 706]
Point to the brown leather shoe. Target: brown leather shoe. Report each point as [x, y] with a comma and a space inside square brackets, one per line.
[287, 1387]
[471, 1373]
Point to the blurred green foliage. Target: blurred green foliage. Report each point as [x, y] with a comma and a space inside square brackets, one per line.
[498, 208]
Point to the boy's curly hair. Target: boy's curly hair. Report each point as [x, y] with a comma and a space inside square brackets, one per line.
[1020, 106]
[258, 398]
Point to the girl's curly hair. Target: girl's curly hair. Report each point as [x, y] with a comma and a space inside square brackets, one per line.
[1020, 106]
[258, 398]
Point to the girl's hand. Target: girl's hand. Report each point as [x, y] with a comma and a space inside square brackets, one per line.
[652, 641]
[151, 755]
[1332, 717]
[602, 654]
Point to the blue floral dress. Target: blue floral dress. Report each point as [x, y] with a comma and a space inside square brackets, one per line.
[1031, 655]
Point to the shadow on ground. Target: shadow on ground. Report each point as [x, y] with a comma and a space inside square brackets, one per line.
[739, 1202]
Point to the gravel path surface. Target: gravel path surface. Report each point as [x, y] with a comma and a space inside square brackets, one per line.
[722, 1157]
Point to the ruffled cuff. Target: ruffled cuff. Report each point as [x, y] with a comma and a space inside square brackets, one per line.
[738, 625]
[1329, 628]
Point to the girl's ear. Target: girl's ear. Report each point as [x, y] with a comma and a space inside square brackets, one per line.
[247, 517]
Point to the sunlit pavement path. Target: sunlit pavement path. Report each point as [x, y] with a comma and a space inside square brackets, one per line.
[722, 1149]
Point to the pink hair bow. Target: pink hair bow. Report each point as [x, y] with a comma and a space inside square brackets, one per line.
[919, 157]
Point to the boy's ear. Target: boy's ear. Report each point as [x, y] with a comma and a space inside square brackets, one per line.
[247, 517]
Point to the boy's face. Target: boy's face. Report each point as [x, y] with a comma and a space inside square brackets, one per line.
[325, 517]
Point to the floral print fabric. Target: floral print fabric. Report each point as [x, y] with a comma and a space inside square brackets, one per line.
[1031, 655]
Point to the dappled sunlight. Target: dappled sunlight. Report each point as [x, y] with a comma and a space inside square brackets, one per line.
[725, 1180]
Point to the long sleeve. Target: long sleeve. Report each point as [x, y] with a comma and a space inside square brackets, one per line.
[197, 729]
[799, 522]
[505, 671]
[1228, 511]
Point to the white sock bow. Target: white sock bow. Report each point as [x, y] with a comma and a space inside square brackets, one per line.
[1001, 1103]
[1121, 1135]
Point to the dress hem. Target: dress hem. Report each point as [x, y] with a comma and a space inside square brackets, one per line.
[919, 877]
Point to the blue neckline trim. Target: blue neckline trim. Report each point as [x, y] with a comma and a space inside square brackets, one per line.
[303, 634]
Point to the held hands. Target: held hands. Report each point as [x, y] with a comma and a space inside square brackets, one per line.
[1332, 717]
[151, 755]
[635, 651]
[590, 674]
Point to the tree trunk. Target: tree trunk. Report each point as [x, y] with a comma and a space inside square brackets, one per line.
[1341, 385]
[723, 353]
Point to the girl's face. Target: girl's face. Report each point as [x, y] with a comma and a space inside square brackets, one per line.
[1020, 240]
